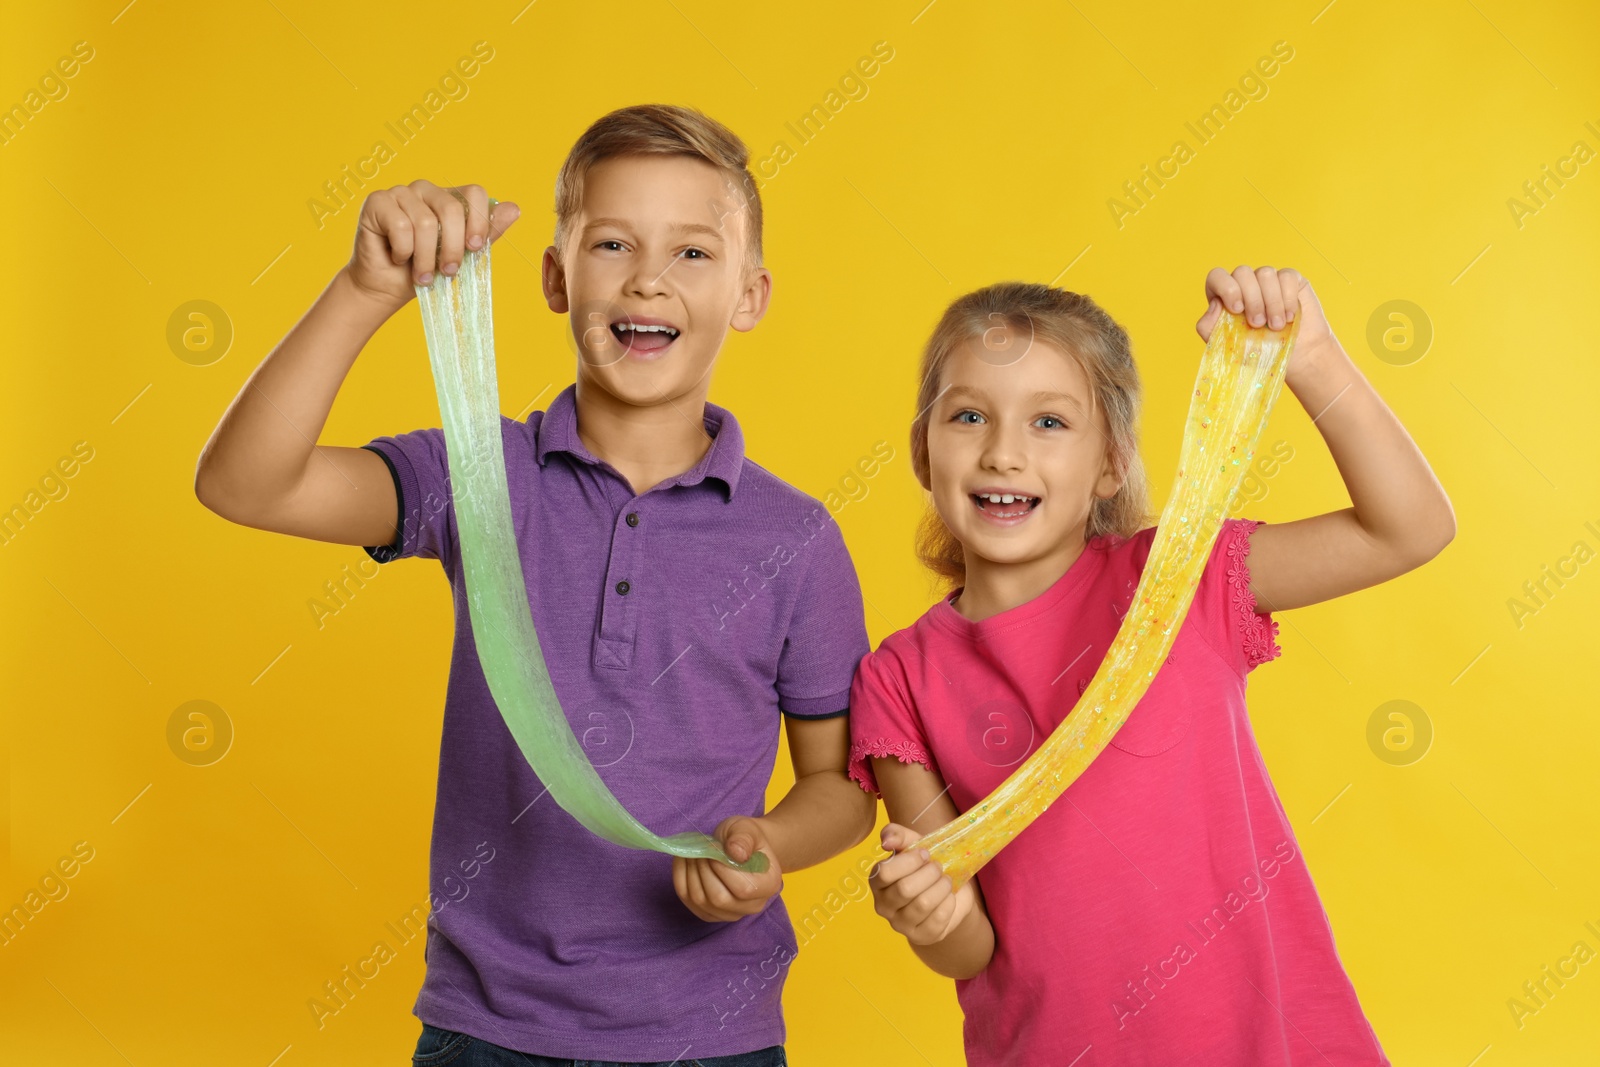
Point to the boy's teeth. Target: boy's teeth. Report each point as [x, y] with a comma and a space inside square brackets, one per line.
[646, 329]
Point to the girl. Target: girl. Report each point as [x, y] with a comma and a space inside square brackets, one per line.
[1160, 912]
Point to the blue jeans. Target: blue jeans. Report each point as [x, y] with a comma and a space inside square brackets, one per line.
[437, 1047]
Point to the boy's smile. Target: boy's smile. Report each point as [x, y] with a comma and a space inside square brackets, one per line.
[654, 274]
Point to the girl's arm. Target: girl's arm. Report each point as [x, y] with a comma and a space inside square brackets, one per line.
[1401, 517]
[950, 932]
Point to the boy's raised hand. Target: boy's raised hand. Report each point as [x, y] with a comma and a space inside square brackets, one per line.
[716, 892]
[912, 891]
[407, 232]
[1269, 297]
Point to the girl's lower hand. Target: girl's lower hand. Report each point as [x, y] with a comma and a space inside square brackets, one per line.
[716, 892]
[912, 891]
[1271, 298]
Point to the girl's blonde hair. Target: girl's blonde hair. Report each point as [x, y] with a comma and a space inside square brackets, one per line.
[1079, 328]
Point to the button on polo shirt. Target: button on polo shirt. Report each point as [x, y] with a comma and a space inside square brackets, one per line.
[678, 626]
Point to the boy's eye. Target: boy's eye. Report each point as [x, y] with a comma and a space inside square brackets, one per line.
[694, 252]
[610, 246]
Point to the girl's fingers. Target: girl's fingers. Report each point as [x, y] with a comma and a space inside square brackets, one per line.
[937, 923]
[908, 889]
[891, 870]
[896, 837]
[1221, 284]
[1250, 290]
[1271, 296]
[1289, 281]
[1208, 321]
[927, 902]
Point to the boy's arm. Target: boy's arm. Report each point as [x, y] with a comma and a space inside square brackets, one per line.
[824, 812]
[262, 466]
[1401, 518]
[951, 933]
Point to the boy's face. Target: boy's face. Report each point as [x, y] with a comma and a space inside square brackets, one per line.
[653, 275]
[1013, 420]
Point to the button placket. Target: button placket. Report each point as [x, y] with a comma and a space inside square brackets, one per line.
[618, 614]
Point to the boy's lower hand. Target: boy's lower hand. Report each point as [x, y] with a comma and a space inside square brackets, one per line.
[912, 891]
[1272, 298]
[716, 892]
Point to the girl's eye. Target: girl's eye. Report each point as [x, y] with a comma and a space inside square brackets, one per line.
[1055, 422]
[961, 416]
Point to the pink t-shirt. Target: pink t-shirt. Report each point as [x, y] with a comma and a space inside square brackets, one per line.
[1160, 912]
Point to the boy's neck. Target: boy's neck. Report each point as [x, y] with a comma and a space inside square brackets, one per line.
[995, 587]
[646, 444]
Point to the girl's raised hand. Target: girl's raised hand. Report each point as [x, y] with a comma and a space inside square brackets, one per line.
[912, 891]
[408, 232]
[1272, 298]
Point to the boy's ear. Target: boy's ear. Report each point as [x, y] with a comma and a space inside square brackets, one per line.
[753, 301]
[554, 280]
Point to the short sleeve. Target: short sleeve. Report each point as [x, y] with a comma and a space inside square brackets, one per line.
[883, 720]
[827, 632]
[1244, 636]
[425, 519]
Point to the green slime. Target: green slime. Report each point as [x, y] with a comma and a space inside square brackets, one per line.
[457, 317]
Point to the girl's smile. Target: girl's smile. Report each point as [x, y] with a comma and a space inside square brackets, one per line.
[1004, 507]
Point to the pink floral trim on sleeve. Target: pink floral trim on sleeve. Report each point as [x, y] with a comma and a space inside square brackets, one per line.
[861, 766]
[1258, 631]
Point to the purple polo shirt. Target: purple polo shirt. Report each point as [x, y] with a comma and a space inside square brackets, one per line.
[677, 625]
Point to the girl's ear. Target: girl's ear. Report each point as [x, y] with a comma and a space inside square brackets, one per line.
[1110, 482]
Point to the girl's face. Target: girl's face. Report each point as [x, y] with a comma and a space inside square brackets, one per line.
[1015, 460]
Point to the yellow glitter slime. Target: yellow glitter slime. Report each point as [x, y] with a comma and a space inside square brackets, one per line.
[1240, 376]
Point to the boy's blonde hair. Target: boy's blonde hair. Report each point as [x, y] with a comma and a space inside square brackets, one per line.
[1079, 328]
[666, 130]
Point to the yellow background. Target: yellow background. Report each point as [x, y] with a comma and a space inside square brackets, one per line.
[179, 167]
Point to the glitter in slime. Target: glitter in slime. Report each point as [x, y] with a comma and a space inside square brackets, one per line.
[458, 321]
[1240, 376]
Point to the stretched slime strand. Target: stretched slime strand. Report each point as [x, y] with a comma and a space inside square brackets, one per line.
[457, 317]
[1240, 376]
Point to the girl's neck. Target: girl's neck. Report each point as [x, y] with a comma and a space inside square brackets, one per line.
[995, 587]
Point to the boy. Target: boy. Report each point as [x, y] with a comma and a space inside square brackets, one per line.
[683, 595]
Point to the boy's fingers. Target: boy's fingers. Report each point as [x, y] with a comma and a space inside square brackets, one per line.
[714, 893]
[452, 218]
[502, 215]
[1250, 291]
[394, 225]
[424, 232]
[476, 231]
